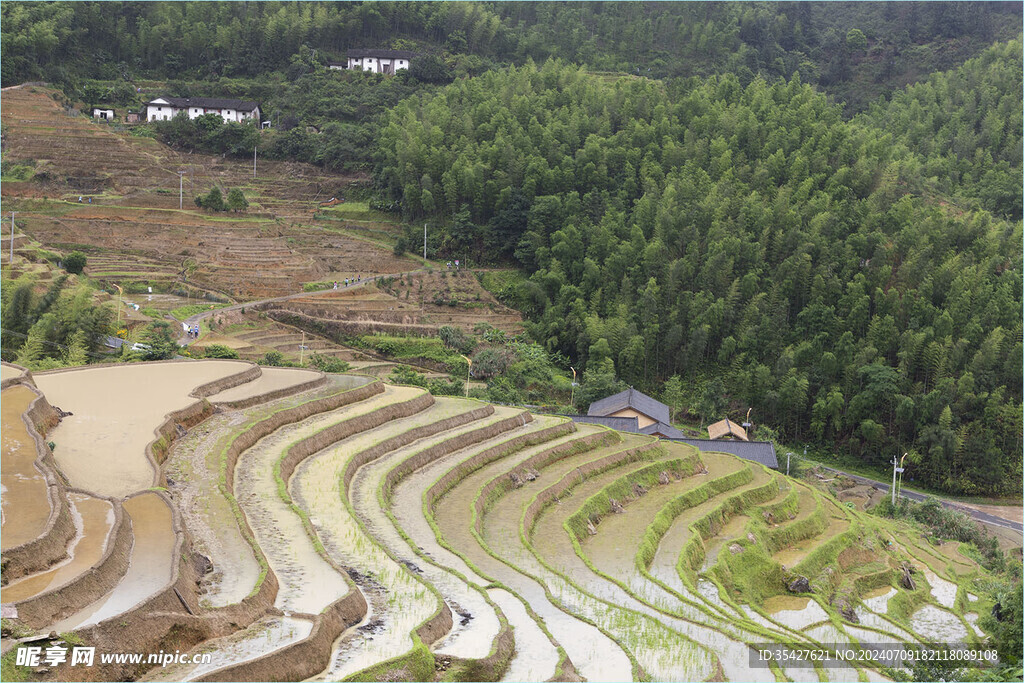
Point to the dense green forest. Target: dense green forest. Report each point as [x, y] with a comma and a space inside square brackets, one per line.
[747, 239]
[856, 50]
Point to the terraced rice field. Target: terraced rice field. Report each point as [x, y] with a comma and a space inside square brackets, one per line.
[131, 224]
[350, 530]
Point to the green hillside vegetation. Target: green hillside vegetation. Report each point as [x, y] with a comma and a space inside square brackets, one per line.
[856, 50]
[60, 327]
[745, 238]
[965, 125]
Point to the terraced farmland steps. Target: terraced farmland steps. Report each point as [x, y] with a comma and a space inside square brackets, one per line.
[371, 531]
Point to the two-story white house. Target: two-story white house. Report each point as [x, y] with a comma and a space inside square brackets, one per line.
[377, 61]
[166, 108]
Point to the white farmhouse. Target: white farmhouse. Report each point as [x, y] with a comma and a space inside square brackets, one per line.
[103, 113]
[166, 108]
[377, 61]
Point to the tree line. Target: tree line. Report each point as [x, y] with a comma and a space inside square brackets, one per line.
[746, 239]
[855, 50]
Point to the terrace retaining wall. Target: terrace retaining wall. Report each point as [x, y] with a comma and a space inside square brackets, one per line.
[307, 657]
[173, 619]
[456, 443]
[24, 378]
[549, 494]
[251, 401]
[53, 605]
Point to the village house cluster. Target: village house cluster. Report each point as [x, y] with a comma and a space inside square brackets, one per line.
[166, 108]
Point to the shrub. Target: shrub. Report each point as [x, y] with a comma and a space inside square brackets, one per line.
[401, 246]
[404, 375]
[490, 362]
[75, 262]
[273, 359]
[213, 200]
[455, 338]
[237, 200]
[328, 363]
[219, 351]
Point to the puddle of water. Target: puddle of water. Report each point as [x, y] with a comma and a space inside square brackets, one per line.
[794, 612]
[101, 448]
[938, 625]
[535, 658]
[24, 505]
[150, 567]
[93, 519]
[943, 591]
[263, 636]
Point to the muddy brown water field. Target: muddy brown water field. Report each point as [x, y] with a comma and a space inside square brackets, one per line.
[347, 529]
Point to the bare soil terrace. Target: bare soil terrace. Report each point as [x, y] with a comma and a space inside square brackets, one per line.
[133, 227]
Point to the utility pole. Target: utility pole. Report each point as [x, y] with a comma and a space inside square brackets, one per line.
[181, 187]
[895, 464]
[572, 390]
[254, 161]
[424, 241]
[469, 369]
[788, 455]
[302, 347]
[11, 261]
[899, 469]
[120, 293]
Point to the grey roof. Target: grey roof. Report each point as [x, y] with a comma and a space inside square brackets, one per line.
[358, 53]
[665, 430]
[113, 342]
[209, 103]
[758, 451]
[631, 398]
[623, 424]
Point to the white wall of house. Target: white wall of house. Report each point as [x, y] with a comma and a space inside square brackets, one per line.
[377, 66]
[107, 114]
[166, 112]
[159, 112]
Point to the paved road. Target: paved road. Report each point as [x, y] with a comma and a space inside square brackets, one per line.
[953, 505]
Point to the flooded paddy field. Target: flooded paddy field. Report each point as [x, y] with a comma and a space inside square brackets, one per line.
[271, 379]
[150, 566]
[101, 447]
[554, 547]
[93, 518]
[25, 504]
